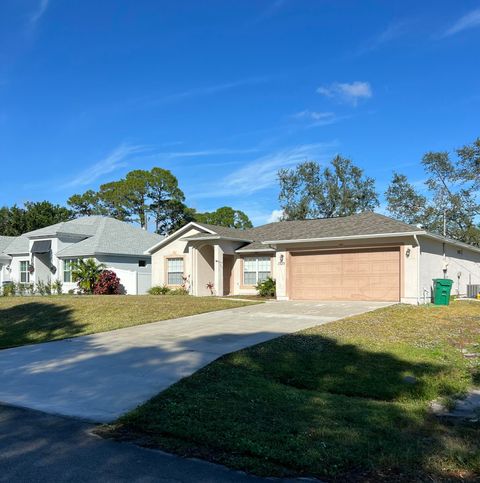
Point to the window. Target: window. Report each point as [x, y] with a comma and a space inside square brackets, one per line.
[255, 269]
[24, 272]
[175, 271]
[67, 270]
[142, 263]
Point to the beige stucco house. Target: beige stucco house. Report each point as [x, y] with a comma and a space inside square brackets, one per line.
[360, 257]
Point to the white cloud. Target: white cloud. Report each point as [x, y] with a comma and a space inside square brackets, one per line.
[389, 34]
[207, 90]
[317, 118]
[261, 173]
[206, 152]
[468, 21]
[346, 92]
[115, 160]
[313, 115]
[275, 215]
[39, 11]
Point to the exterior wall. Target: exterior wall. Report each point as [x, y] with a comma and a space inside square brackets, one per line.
[15, 267]
[204, 270]
[462, 266]
[238, 288]
[176, 248]
[4, 272]
[135, 280]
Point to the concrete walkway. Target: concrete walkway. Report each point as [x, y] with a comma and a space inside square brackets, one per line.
[99, 377]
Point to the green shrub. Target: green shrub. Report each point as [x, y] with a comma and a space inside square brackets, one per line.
[179, 291]
[57, 287]
[266, 288]
[9, 289]
[159, 290]
[43, 288]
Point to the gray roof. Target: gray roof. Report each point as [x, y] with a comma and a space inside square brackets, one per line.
[85, 226]
[17, 246]
[361, 224]
[367, 223]
[107, 236]
[5, 241]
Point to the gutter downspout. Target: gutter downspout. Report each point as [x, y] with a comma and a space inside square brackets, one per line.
[418, 268]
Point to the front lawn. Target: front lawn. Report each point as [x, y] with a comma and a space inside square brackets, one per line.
[346, 401]
[29, 320]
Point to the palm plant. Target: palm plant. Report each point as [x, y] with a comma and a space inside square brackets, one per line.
[86, 273]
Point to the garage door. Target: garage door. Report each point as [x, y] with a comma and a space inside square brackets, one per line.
[367, 274]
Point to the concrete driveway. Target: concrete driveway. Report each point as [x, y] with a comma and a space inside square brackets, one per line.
[101, 376]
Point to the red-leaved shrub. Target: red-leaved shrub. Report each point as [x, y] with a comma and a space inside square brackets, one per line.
[107, 284]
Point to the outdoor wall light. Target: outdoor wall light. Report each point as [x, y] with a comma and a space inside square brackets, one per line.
[407, 252]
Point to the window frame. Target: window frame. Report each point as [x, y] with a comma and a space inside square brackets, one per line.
[167, 271]
[27, 272]
[65, 263]
[258, 260]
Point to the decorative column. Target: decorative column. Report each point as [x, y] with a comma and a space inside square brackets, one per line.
[218, 273]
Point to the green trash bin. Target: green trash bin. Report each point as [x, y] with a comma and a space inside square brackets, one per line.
[441, 291]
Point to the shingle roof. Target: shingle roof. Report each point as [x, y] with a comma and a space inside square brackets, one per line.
[367, 223]
[109, 236]
[17, 246]
[5, 241]
[86, 226]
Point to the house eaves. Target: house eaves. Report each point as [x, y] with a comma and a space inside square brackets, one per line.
[451, 241]
[340, 238]
[5, 258]
[174, 235]
[254, 250]
[216, 237]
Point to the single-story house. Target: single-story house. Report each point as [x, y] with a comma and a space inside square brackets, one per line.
[46, 255]
[365, 256]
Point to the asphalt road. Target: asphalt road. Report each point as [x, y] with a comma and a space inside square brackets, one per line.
[38, 447]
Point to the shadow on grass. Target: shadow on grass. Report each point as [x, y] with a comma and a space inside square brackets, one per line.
[34, 322]
[304, 405]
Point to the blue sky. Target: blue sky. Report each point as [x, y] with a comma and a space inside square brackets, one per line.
[224, 93]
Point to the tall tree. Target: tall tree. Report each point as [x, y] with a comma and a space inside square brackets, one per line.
[173, 216]
[404, 202]
[166, 199]
[87, 204]
[450, 205]
[225, 216]
[136, 186]
[341, 189]
[15, 221]
[113, 199]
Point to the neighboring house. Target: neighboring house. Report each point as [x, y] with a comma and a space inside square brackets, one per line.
[46, 255]
[360, 257]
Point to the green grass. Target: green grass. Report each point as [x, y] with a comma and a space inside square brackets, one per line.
[330, 401]
[30, 320]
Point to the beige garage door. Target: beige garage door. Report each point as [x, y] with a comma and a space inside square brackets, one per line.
[366, 274]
